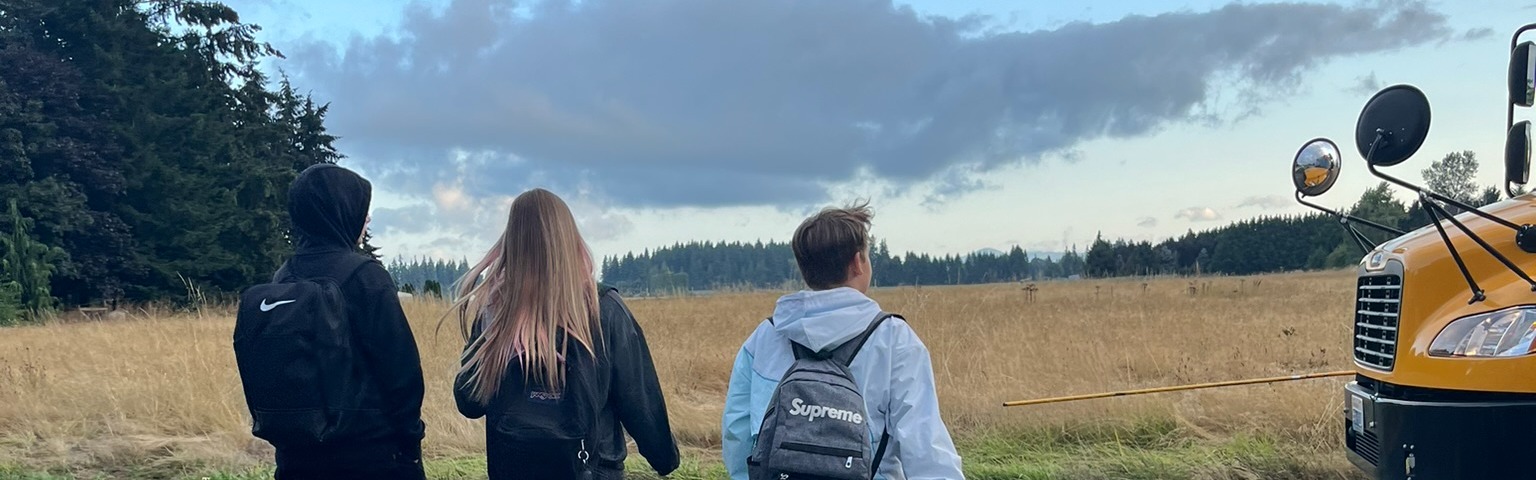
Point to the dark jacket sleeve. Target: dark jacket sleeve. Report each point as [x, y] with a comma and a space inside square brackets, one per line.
[461, 393]
[636, 390]
[389, 348]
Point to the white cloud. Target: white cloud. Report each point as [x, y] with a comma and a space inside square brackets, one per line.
[1198, 214]
[451, 198]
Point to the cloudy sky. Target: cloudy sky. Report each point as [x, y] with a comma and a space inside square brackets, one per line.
[968, 123]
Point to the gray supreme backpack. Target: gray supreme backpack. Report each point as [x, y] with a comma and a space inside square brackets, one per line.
[816, 425]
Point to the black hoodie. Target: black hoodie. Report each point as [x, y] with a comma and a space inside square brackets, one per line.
[328, 205]
[630, 393]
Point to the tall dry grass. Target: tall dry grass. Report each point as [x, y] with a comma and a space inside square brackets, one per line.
[162, 389]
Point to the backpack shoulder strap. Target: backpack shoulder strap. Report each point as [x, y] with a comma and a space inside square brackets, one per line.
[610, 291]
[354, 263]
[349, 267]
[874, 468]
[282, 274]
[885, 436]
[846, 353]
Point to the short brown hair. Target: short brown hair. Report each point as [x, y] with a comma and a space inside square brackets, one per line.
[827, 242]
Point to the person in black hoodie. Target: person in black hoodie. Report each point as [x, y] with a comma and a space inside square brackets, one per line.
[555, 362]
[379, 434]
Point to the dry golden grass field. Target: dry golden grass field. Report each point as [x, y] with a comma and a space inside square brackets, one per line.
[156, 395]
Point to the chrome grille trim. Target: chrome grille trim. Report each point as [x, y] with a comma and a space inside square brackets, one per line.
[1377, 309]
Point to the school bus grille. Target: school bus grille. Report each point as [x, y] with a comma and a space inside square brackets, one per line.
[1376, 313]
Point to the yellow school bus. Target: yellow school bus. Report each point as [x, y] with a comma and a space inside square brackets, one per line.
[1444, 317]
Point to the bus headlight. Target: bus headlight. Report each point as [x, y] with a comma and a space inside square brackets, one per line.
[1505, 333]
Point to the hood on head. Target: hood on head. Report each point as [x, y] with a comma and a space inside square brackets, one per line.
[824, 319]
[329, 207]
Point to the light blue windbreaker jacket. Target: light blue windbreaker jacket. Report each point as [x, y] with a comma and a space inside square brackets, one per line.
[892, 370]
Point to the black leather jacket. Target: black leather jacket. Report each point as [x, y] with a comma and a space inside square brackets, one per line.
[634, 402]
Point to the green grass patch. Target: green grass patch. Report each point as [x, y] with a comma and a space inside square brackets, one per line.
[1147, 449]
[13, 472]
[1140, 450]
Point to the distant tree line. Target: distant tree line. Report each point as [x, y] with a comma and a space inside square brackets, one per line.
[976, 267]
[697, 266]
[1274, 243]
[1291, 242]
[426, 275]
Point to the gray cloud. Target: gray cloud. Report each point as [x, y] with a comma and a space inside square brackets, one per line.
[1366, 84]
[954, 183]
[604, 226]
[1147, 222]
[700, 102]
[402, 220]
[1477, 34]
[1198, 214]
[1265, 202]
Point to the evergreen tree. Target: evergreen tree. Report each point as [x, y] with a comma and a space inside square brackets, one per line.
[1378, 205]
[143, 141]
[367, 247]
[25, 267]
[10, 303]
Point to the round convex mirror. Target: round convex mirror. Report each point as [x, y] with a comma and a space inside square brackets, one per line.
[1316, 167]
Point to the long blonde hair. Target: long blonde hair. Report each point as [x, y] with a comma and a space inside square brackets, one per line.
[534, 289]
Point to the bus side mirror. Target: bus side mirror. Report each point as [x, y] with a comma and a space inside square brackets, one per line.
[1392, 126]
[1517, 153]
[1522, 77]
[1315, 167]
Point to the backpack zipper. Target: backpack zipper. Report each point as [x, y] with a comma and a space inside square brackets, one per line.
[821, 450]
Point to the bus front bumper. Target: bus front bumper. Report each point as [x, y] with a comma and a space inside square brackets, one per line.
[1425, 435]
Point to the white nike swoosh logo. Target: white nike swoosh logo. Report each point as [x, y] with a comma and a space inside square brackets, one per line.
[267, 307]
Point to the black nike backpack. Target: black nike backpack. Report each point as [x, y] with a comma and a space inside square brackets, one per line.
[294, 350]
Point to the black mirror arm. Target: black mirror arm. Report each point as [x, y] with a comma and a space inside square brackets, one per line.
[1482, 243]
[1434, 218]
[1348, 218]
[1366, 246]
[1443, 198]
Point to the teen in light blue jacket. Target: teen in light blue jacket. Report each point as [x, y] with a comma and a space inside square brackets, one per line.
[893, 368]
